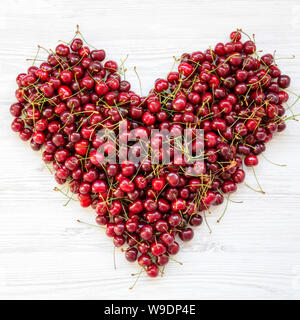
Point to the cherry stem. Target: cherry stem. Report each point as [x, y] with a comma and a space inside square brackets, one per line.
[253, 189]
[90, 225]
[225, 210]
[172, 259]
[207, 224]
[136, 280]
[276, 164]
[114, 256]
[140, 83]
[257, 180]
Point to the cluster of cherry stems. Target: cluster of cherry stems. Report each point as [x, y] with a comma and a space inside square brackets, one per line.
[229, 92]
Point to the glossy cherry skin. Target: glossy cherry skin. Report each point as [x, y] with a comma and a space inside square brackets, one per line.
[131, 254]
[186, 234]
[158, 248]
[173, 248]
[251, 160]
[152, 271]
[144, 260]
[146, 232]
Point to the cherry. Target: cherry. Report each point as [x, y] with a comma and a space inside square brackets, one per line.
[84, 188]
[128, 169]
[251, 160]
[25, 134]
[150, 204]
[173, 248]
[218, 124]
[98, 55]
[115, 209]
[229, 187]
[144, 260]
[146, 232]
[118, 240]
[235, 36]
[173, 179]
[186, 234]
[36, 147]
[17, 125]
[161, 85]
[174, 219]
[99, 186]
[132, 225]
[152, 271]
[240, 89]
[84, 51]
[161, 226]
[153, 216]
[284, 81]
[148, 118]
[239, 176]
[62, 50]
[185, 69]
[196, 219]
[76, 44]
[249, 47]
[167, 238]
[126, 185]
[110, 230]
[143, 247]
[90, 176]
[81, 147]
[210, 139]
[163, 205]
[252, 124]
[133, 239]
[131, 254]
[136, 207]
[158, 184]
[154, 106]
[101, 220]
[209, 197]
[61, 156]
[84, 199]
[112, 170]
[87, 82]
[140, 182]
[64, 92]
[157, 248]
[178, 205]
[111, 66]
[16, 109]
[162, 260]
[38, 137]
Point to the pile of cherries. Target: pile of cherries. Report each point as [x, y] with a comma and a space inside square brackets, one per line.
[233, 95]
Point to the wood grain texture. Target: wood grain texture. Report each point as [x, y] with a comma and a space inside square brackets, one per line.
[44, 253]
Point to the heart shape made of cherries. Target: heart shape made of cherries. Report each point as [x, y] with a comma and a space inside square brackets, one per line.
[234, 96]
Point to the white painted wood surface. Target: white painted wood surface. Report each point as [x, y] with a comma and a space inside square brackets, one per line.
[45, 254]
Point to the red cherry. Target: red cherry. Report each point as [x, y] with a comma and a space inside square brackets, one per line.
[251, 160]
[84, 199]
[126, 185]
[186, 234]
[157, 249]
[158, 184]
[185, 69]
[146, 232]
[81, 147]
[64, 92]
[161, 85]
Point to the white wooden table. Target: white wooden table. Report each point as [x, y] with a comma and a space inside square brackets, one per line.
[45, 254]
